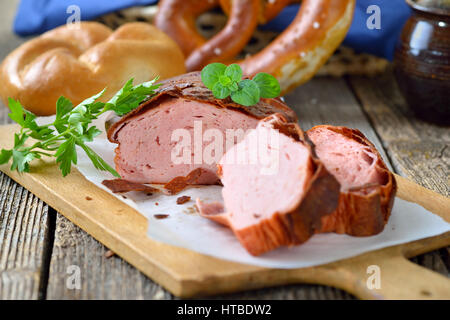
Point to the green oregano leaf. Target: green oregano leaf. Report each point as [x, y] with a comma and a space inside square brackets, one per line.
[211, 73]
[247, 94]
[234, 72]
[268, 85]
[220, 91]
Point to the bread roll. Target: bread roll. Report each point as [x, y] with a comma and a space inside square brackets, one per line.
[78, 62]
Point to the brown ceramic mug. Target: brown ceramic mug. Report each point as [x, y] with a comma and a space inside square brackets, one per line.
[422, 60]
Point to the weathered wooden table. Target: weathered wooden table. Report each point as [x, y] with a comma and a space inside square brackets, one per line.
[38, 245]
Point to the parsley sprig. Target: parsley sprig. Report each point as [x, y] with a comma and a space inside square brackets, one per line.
[225, 81]
[71, 127]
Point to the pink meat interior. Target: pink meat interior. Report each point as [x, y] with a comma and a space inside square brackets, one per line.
[251, 196]
[146, 144]
[352, 163]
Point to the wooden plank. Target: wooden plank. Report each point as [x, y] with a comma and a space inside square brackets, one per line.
[101, 277]
[418, 150]
[24, 236]
[427, 162]
[25, 222]
[291, 292]
[433, 261]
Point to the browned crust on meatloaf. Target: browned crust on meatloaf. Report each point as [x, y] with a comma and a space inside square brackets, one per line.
[174, 186]
[122, 186]
[365, 210]
[304, 220]
[189, 86]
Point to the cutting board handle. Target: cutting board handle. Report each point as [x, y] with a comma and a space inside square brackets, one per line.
[430, 200]
[382, 274]
[400, 278]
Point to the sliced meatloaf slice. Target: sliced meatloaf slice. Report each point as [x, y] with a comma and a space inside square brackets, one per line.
[367, 186]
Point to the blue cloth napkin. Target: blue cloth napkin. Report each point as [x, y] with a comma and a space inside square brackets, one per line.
[37, 16]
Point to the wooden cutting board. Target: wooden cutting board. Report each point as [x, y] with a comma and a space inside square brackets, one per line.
[186, 273]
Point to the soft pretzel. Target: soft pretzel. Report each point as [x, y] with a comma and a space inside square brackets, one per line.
[293, 57]
[269, 8]
[296, 55]
[79, 62]
[177, 19]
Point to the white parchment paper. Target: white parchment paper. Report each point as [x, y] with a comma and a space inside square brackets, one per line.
[185, 228]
